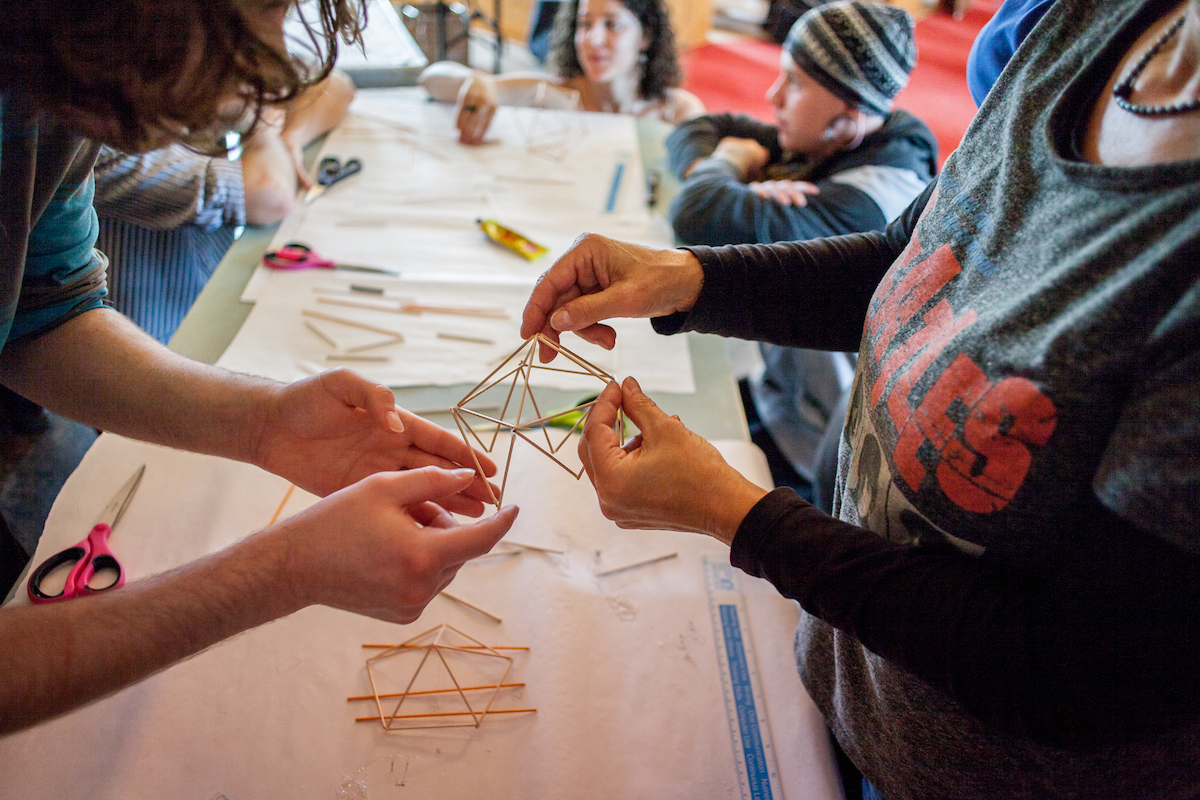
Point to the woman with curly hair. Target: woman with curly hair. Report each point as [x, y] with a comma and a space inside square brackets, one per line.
[609, 55]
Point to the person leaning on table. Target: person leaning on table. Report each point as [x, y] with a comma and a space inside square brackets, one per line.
[1007, 604]
[382, 543]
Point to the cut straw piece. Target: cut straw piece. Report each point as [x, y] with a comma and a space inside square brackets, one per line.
[320, 333]
[286, 496]
[350, 323]
[458, 337]
[459, 647]
[435, 691]
[479, 714]
[647, 562]
[359, 357]
[471, 606]
[537, 547]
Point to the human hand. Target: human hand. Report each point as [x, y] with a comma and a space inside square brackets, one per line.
[474, 109]
[598, 279]
[313, 113]
[666, 477]
[385, 546]
[747, 156]
[788, 193]
[331, 430]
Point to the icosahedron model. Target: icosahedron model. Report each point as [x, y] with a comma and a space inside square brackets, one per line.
[520, 412]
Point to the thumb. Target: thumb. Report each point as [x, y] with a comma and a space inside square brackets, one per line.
[618, 300]
[427, 484]
[354, 390]
[641, 410]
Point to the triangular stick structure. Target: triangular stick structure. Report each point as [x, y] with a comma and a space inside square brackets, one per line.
[462, 703]
[550, 136]
[520, 412]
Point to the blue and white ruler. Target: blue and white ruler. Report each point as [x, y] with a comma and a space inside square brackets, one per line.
[758, 775]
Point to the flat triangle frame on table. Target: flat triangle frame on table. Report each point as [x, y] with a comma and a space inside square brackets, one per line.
[431, 642]
[526, 362]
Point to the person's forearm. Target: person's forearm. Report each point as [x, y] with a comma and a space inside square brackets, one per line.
[102, 370]
[318, 110]
[269, 177]
[1053, 650]
[63, 655]
[810, 294]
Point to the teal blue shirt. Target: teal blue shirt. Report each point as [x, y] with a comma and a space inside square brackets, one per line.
[50, 271]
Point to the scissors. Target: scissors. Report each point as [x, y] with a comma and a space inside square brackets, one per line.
[89, 556]
[295, 255]
[329, 172]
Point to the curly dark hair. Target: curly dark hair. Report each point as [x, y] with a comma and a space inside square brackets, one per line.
[133, 61]
[660, 70]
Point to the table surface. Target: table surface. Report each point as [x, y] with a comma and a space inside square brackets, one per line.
[714, 411]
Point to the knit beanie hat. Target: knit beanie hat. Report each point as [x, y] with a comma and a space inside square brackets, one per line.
[860, 51]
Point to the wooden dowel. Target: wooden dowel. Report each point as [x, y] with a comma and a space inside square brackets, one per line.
[308, 312]
[451, 714]
[458, 337]
[648, 561]
[472, 606]
[537, 547]
[436, 691]
[321, 334]
[366, 305]
[360, 347]
[459, 647]
[287, 495]
[358, 357]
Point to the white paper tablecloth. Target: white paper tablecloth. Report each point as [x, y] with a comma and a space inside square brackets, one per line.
[622, 669]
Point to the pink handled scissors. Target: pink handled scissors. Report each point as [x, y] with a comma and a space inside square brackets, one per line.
[294, 255]
[89, 556]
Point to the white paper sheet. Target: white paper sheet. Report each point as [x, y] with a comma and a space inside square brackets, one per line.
[277, 341]
[415, 204]
[622, 669]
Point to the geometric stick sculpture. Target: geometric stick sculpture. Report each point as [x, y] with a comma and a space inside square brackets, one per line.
[520, 412]
[437, 654]
[550, 136]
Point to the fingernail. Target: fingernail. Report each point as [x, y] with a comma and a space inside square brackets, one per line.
[632, 385]
[561, 320]
[393, 421]
[463, 472]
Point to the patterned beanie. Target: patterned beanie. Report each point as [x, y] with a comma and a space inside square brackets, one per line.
[860, 51]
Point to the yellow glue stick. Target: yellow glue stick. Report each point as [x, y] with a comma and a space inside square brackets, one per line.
[511, 239]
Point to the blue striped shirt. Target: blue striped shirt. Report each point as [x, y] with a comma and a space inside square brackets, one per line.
[166, 219]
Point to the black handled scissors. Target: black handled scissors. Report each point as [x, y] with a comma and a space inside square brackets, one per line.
[330, 171]
[89, 556]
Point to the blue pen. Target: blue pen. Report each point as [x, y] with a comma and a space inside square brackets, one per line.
[618, 173]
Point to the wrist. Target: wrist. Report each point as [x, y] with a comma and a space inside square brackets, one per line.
[728, 516]
[689, 280]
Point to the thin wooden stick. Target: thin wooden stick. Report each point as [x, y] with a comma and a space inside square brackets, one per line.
[436, 691]
[385, 343]
[462, 311]
[472, 714]
[497, 554]
[366, 305]
[308, 312]
[323, 336]
[358, 357]
[471, 606]
[459, 647]
[544, 339]
[654, 560]
[287, 495]
[458, 337]
[537, 547]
